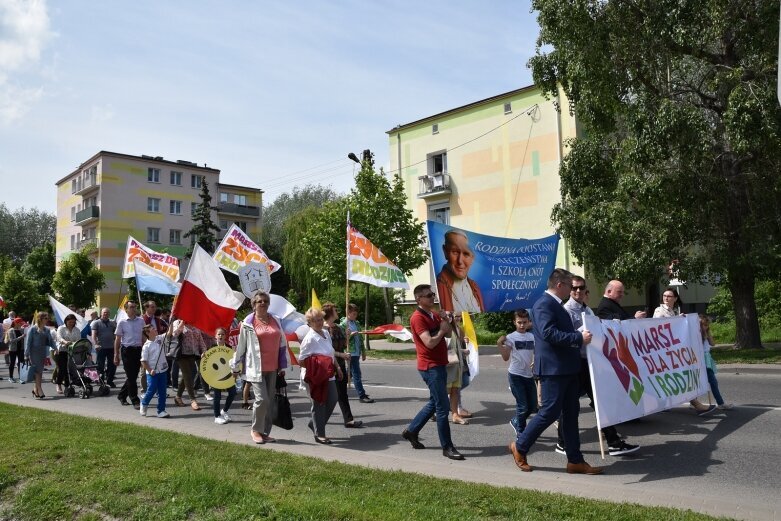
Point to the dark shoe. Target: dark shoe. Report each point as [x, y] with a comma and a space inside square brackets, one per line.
[322, 441]
[123, 401]
[559, 449]
[353, 424]
[707, 411]
[366, 399]
[136, 405]
[452, 453]
[621, 448]
[112, 385]
[584, 468]
[412, 437]
[520, 459]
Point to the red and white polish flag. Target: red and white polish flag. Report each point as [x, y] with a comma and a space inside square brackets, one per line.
[206, 301]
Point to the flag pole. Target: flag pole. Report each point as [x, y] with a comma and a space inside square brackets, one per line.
[347, 270]
[121, 281]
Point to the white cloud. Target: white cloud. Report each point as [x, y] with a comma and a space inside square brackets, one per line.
[24, 33]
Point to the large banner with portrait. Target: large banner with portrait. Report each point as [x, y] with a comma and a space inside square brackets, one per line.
[477, 272]
[639, 367]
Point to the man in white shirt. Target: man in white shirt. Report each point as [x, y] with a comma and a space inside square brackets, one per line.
[127, 343]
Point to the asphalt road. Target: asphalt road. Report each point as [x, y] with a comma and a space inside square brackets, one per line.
[726, 464]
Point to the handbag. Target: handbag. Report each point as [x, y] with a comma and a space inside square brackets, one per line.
[283, 416]
[173, 347]
[26, 373]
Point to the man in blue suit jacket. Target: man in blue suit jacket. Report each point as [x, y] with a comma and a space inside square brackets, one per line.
[557, 363]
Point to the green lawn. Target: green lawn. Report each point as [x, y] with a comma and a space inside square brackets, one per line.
[69, 467]
[769, 355]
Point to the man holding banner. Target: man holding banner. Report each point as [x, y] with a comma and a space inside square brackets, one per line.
[557, 362]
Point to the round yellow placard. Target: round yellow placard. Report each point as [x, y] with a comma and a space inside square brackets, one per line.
[216, 369]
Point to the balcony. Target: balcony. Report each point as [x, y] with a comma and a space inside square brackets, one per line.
[90, 241]
[434, 185]
[239, 209]
[88, 185]
[87, 215]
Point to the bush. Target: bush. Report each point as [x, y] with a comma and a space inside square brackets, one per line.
[496, 322]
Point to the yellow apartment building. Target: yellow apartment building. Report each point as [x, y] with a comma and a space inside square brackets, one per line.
[492, 167]
[112, 195]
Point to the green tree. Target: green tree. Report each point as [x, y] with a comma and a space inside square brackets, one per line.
[39, 266]
[316, 248]
[204, 230]
[679, 158]
[276, 214]
[22, 230]
[78, 280]
[20, 292]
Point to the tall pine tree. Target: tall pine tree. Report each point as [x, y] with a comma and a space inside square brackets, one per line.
[204, 230]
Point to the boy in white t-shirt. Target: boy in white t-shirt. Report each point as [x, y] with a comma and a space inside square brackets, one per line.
[518, 347]
[155, 364]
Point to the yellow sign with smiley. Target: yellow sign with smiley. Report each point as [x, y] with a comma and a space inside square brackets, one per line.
[216, 369]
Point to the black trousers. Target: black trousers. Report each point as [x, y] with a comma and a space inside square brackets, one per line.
[131, 359]
[341, 393]
[63, 377]
[611, 434]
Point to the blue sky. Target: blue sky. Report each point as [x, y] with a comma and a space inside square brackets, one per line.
[274, 94]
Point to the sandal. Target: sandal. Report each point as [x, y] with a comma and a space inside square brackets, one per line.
[459, 420]
[178, 401]
[195, 406]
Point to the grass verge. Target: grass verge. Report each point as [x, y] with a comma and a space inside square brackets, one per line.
[769, 355]
[85, 469]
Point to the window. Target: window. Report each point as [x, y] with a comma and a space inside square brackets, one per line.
[73, 214]
[223, 225]
[439, 213]
[73, 188]
[508, 108]
[196, 181]
[240, 199]
[90, 201]
[435, 128]
[175, 236]
[153, 205]
[242, 225]
[153, 175]
[437, 163]
[223, 197]
[176, 178]
[176, 207]
[193, 208]
[73, 242]
[153, 235]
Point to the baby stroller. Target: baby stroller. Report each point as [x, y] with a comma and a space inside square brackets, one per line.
[83, 372]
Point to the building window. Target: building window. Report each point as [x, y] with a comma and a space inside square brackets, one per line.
[175, 236]
[435, 128]
[73, 214]
[437, 163]
[73, 242]
[439, 213]
[223, 225]
[240, 199]
[153, 205]
[176, 207]
[242, 225]
[196, 181]
[90, 201]
[73, 188]
[176, 178]
[153, 175]
[508, 108]
[153, 235]
[193, 208]
[223, 197]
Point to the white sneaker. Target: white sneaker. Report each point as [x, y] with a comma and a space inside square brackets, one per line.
[209, 397]
[142, 410]
[163, 414]
[225, 416]
[219, 420]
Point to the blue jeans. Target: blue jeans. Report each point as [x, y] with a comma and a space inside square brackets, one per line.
[217, 394]
[560, 397]
[714, 386]
[525, 393]
[155, 384]
[436, 380]
[355, 371]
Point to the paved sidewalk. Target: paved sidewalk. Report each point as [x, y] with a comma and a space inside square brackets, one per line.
[389, 455]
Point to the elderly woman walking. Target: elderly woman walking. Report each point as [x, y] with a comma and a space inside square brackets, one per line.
[67, 335]
[39, 342]
[263, 344]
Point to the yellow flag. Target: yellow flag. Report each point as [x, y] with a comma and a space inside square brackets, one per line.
[469, 329]
[315, 300]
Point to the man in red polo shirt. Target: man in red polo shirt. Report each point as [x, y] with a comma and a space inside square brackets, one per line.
[429, 331]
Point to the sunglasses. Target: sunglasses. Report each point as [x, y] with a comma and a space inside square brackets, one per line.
[578, 288]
